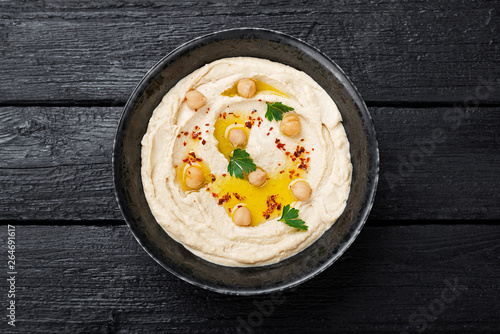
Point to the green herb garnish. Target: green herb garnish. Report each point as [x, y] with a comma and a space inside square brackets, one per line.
[240, 162]
[275, 110]
[290, 217]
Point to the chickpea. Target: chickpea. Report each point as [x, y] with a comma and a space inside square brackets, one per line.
[246, 88]
[237, 137]
[242, 216]
[301, 190]
[290, 125]
[195, 99]
[257, 177]
[194, 177]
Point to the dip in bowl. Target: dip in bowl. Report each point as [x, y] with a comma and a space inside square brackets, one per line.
[169, 231]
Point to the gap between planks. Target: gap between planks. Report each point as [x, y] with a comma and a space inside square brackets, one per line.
[369, 223]
[369, 104]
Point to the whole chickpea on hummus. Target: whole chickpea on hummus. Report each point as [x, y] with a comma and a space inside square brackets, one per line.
[245, 162]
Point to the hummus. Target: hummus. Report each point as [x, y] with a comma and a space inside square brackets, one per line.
[202, 218]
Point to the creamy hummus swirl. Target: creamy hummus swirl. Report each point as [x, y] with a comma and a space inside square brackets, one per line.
[195, 218]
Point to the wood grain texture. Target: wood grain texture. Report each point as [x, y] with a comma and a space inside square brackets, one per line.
[438, 163]
[56, 163]
[54, 50]
[97, 279]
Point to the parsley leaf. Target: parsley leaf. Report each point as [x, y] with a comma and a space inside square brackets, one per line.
[275, 110]
[240, 162]
[290, 217]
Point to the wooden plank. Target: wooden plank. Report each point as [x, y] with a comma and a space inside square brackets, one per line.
[56, 163]
[97, 279]
[438, 163]
[59, 50]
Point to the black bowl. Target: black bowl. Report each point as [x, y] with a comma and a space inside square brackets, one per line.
[127, 162]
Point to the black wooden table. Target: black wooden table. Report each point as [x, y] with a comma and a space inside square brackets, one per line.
[428, 258]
